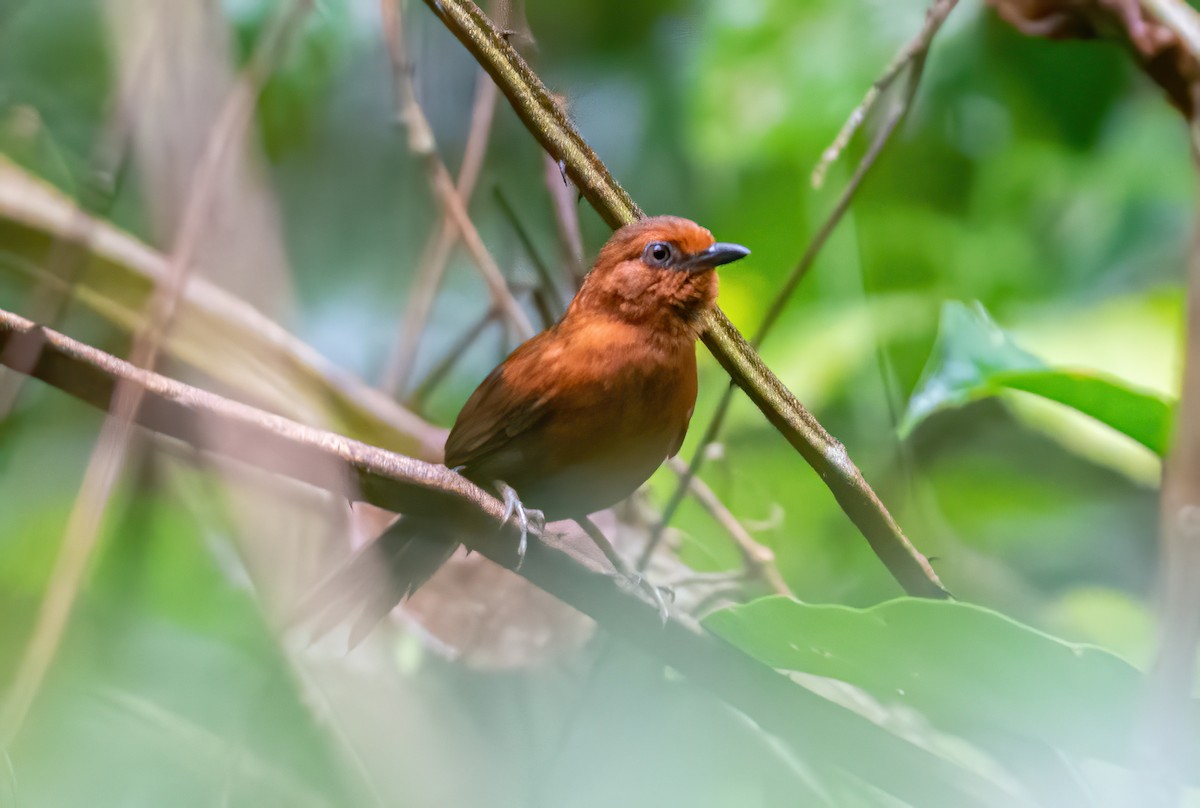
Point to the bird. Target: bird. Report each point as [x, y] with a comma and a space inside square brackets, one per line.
[581, 415]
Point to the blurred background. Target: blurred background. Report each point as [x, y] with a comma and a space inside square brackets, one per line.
[1031, 217]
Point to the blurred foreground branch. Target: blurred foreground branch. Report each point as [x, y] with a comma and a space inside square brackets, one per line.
[1163, 38]
[1168, 731]
[560, 563]
[110, 451]
[547, 121]
[215, 332]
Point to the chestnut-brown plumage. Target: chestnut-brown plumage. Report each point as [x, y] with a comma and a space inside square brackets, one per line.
[579, 416]
[582, 414]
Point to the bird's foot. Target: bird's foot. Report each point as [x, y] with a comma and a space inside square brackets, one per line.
[634, 579]
[527, 518]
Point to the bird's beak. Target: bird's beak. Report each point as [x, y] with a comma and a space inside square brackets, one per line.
[716, 255]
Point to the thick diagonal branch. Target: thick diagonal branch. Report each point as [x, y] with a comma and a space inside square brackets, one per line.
[559, 563]
[548, 123]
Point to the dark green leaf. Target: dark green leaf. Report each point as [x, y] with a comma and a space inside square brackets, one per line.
[974, 358]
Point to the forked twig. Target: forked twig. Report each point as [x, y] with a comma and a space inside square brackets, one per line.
[437, 251]
[422, 143]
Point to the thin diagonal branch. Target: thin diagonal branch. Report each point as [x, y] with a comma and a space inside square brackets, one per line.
[545, 276]
[548, 123]
[565, 200]
[447, 363]
[911, 56]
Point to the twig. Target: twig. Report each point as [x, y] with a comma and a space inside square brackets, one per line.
[545, 276]
[439, 371]
[547, 307]
[912, 56]
[565, 200]
[104, 466]
[758, 560]
[437, 250]
[1167, 734]
[561, 563]
[549, 124]
[421, 142]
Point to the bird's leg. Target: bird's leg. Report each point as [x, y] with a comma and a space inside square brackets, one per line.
[635, 578]
[526, 517]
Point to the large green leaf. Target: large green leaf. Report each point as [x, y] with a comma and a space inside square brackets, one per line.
[974, 358]
[968, 669]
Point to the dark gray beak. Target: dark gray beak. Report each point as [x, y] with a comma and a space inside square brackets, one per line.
[716, 255]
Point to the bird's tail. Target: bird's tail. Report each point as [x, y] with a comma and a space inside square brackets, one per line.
[378, 577]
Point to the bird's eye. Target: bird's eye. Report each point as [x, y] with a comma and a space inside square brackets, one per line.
[657, 253]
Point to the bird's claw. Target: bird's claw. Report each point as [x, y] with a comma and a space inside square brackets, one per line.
[638, 581]
[527, 518]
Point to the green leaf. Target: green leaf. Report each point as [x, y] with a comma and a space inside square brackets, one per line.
[974, 358]
[967, 669]
[1142, 415]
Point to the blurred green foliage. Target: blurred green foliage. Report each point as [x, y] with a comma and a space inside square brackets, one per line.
[973, 358]
[1048, 181]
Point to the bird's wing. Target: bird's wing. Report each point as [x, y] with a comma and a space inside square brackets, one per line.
[494, 414]
[678, 444]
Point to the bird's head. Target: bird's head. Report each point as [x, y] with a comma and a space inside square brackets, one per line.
[657, 271]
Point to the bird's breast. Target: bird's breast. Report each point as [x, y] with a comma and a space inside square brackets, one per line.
[622, 412]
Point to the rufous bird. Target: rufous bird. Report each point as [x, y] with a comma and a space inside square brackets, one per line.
[579, 416]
